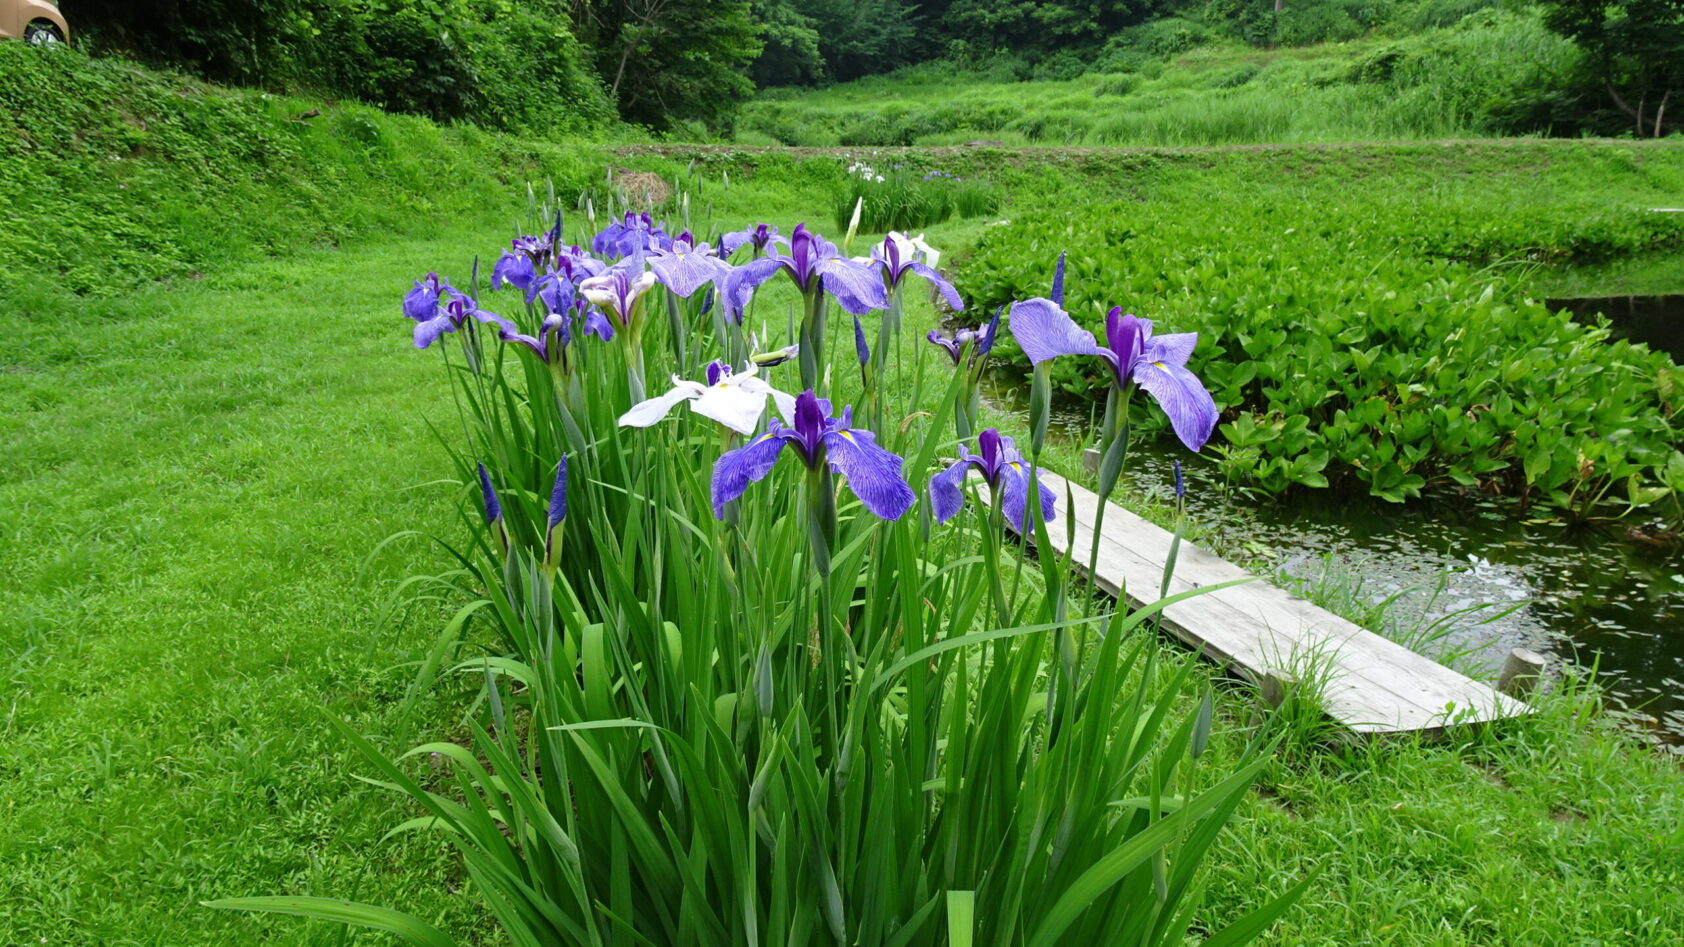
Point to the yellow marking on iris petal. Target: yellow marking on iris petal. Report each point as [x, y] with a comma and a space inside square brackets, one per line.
[847, 434]
[1161, 366]
[1016, 466]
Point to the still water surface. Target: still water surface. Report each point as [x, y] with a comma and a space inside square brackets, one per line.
[1583, 595]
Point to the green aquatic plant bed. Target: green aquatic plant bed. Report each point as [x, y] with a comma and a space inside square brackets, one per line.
[1364, 317]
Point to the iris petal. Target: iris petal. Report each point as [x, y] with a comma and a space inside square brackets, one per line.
[940, 283]
[738, 468]
[1044, 331]
[1014, 496]
[1191, 409]
[515, 270]
[858, 289]
[646, 413]
[734, 406]
[738, 287]
[426, 333]
[1173, 349]
[872, 472]
[685, 271]
[947, 491]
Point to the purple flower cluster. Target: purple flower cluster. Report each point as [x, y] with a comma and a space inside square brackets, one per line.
[570, 292]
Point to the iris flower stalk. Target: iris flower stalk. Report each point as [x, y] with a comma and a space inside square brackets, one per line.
[825, 445]
[969, 349]
[1136, 358]
[818, 271]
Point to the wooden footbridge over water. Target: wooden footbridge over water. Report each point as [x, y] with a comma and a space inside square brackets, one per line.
[1261, 632]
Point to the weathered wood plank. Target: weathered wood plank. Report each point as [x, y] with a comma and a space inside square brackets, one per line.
[1369, 683]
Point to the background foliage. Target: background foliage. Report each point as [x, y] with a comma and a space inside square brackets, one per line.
[495, 62]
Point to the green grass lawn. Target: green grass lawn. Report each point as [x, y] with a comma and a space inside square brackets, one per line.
[194, 477]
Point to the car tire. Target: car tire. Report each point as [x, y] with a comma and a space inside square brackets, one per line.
[43, 33]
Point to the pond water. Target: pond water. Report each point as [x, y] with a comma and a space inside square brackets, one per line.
[1657, 320]
[1586, 596]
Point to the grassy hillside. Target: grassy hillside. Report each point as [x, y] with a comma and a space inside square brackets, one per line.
[1491, 73]
[112, 176]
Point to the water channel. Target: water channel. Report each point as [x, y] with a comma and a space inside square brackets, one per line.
[1482, 580]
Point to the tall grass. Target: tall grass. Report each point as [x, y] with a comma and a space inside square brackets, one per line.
[1491, 74]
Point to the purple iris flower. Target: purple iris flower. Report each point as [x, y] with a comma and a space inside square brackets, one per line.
[557, 513]
[1058, 281]
[955, 346]
[889, 258]
[449, 311]
[760, 236]
[550, 343]
[982, 336]
[520, 265]
[515, 269]
[812, 262]
[1003, 467]
[688, 266]
[619, 292]
[493, 508]
[819, 440]
[422, 302]
[635, 235]
[859, 343]
[1157, 363]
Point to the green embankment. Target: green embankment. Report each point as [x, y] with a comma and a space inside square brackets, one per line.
[112, 176]
[197, 474]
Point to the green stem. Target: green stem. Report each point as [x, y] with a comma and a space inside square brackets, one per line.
[813, 340]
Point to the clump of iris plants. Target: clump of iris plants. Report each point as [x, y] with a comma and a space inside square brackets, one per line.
[769, 669]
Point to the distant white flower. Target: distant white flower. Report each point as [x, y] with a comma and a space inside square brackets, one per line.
[736, 400]
[879, 179]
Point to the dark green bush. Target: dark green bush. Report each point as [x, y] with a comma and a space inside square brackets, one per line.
[500, 64]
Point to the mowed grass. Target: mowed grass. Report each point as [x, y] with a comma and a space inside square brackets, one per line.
[192, 479]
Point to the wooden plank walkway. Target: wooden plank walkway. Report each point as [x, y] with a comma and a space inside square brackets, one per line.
[1370, 684]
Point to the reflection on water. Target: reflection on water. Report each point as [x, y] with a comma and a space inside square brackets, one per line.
[1579, 594]
[1655, 320]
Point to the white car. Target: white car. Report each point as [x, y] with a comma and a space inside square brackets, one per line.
[33, 21]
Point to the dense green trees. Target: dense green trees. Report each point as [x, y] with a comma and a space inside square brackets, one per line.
[666, 61]
[496, 62]
[1635, 51]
